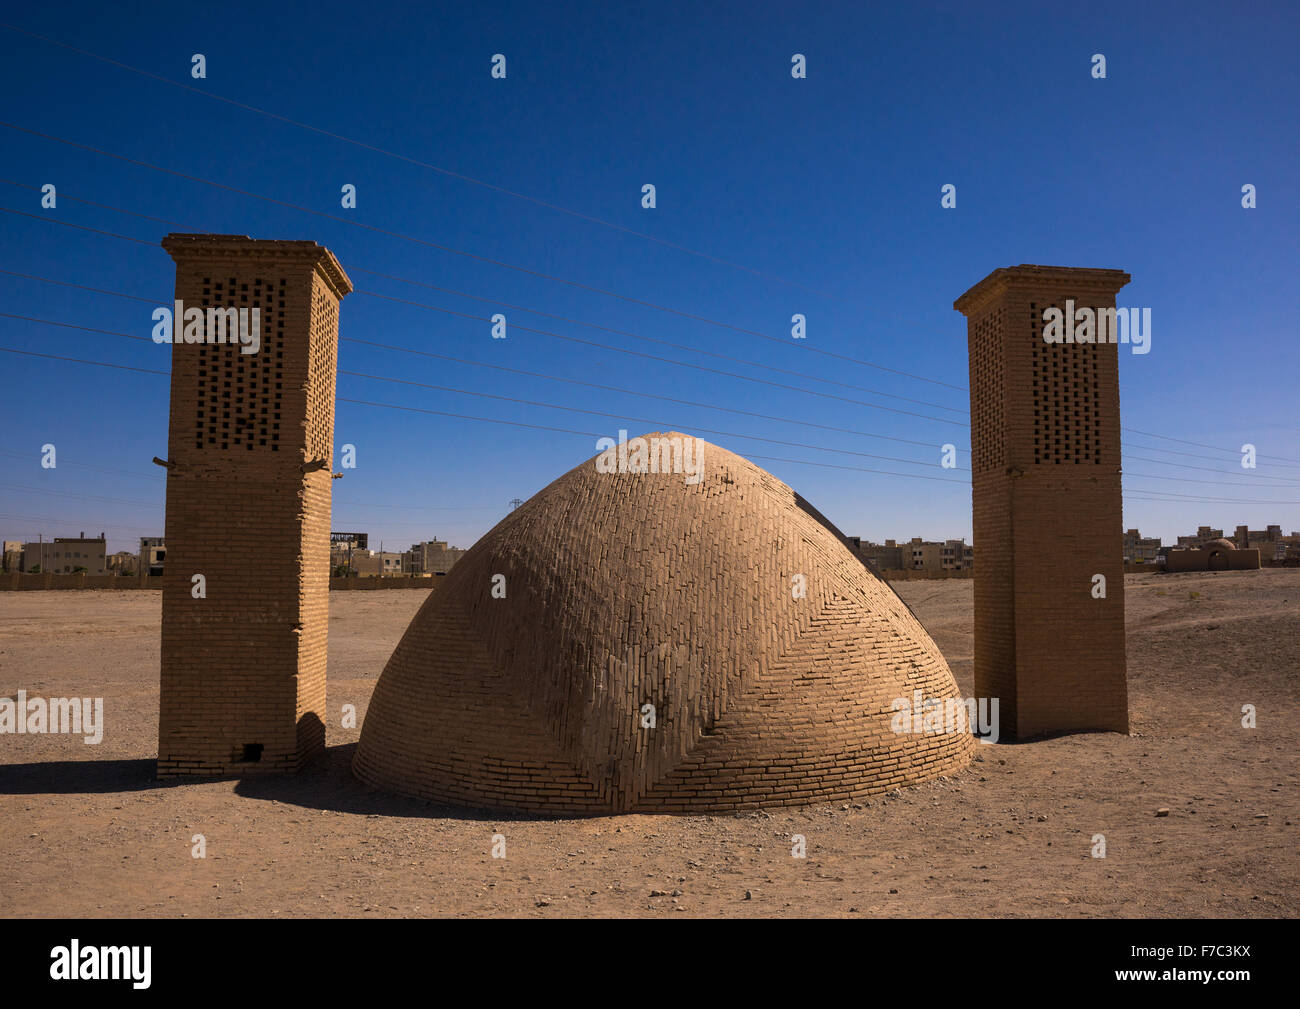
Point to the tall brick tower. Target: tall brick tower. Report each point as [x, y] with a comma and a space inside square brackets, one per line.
[250, 441]
[1045, 461]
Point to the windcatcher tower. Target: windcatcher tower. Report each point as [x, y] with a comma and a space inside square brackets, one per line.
[250, 441]
[1048, 515]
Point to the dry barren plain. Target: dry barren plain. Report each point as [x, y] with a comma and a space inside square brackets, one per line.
[85, 831]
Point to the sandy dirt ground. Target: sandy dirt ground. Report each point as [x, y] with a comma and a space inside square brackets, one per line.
[85, 831]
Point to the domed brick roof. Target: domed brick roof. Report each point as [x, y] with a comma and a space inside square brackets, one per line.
[626, 589]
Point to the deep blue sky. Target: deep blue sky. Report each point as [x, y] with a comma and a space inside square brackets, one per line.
[832, 182]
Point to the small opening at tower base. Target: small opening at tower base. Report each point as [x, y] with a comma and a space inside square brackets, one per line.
[252, 753]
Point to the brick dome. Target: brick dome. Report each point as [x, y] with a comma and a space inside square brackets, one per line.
[1219, 544]
[630, 589]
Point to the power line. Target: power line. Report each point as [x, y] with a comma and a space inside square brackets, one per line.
[510, 399]
[561, 336]
[1161, 495]
[80, 287]
[1280, 484]
[468, 392]
[1183, 465]
[92, 203]
[509, 266]
[338, 501]
[87, 497]
[69, 325]
[575, 339]
[99, 469]
[444, 413]
[1195, 455]
[79, 360]
[856, 469]
[624, 417]
[682, 364]
[1150, 448]
[596, 385]
[472, 297]
[478, 257]
[627, 333]
[623, 350]
[595, 434]
[47, 521]
[633, 392]
[474, 181]
[504, 304]
[118, 471]
[1198, 444]
[80, 227]
[436, 168]
[418, 508]
[1167, 497]
[591, 343]
[371, 524]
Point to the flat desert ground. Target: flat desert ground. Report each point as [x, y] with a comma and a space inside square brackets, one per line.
[85, 831]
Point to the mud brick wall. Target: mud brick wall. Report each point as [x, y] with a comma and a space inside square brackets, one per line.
[250, 442]
[1209, 559]
[1047, 502]
[912, 575]
[627, 589]
[360, 583]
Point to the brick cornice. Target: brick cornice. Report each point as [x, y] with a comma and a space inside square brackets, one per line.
[208, 247]
[1028, 276]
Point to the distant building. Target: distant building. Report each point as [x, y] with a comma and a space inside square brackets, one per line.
[915, 555]
[13, 555]
[66, 555]
[433, 557]
[344, 549]
[956, 555]
[1203, 535]
[1273, 545]
[153, 552]
[879, 557]
[950, 555]
[376, 563]
[921, 555]
[1139, 548]
[124, 562]
[1270, 542]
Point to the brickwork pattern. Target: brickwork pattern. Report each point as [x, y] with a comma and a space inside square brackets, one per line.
[243, 670]
[628, 589]
[1049, 516]
[1211, 558]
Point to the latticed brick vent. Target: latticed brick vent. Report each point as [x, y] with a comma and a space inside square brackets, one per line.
[239, 397]
[321, 368]
[1066, 392]
[988, 447]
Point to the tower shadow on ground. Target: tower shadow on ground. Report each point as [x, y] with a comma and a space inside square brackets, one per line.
[327, 783]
